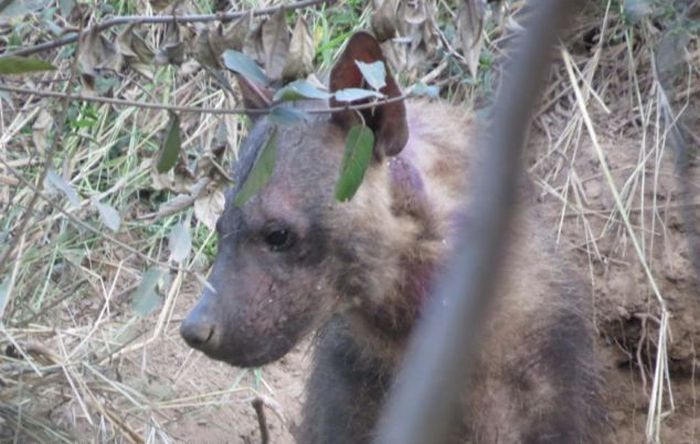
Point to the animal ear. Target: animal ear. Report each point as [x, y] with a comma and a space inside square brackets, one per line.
[254, 95]
[387, 121]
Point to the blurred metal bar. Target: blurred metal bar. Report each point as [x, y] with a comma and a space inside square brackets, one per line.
[677, 139]
[422, 403]
[689, 186]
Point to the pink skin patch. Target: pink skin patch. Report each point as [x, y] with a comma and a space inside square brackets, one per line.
[410, 198]
[407, 188]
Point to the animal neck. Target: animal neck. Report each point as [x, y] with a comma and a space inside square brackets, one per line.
[388, 321]
[384, 327]
[395, 316]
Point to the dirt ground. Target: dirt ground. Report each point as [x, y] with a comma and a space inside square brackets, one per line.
[626, 315]
[232, 419]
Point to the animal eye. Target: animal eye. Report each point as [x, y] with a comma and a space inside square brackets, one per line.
[279, 239]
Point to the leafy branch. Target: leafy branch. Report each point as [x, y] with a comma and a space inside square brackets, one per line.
[197, 109]
[140, 20]
[48, 162]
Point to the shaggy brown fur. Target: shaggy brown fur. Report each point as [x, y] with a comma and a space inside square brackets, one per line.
[292, 260]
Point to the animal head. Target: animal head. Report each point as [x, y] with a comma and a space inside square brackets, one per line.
[291, 256]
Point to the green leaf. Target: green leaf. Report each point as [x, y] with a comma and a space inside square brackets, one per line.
[66, 7]
[56, 181]
[286, 115]
[635, 10]
[261, 172]
[180, 243]
[300, 90]
[421, 89]
[108, 215]
[17, 8]
[4, 292]
[374, 73]
[240, 63]
[145, 299]
[353, 94]
[356, 158]
[170, 151]
[20, 65]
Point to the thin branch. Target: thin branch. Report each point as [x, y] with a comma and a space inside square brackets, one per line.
[48, 163]
[259, 407]
[140, 20]
[51, 202]
[194, 109]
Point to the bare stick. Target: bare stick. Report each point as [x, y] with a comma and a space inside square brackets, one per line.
[71, 217]
[48, 163]
[432, 381]
[140, 20]
[194, 109]
[259, 406]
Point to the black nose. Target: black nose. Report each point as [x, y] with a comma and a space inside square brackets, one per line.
[198, 334]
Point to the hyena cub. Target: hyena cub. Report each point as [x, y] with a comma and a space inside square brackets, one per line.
[292, 260]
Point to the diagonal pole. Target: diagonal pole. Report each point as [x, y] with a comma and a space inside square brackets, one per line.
[434, 374]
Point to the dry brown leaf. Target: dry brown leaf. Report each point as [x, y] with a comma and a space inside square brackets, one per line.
[301, 52]
[395, 55]
[413, 12]
[275, 40]
[159, 5]
[470, 24]
[498, 12]
[203, 51]
[40, 130]
[232, 36]
[418, 39]
[208, 46]
[431, 37]
[172, 181]
[209, 205]
[189, 68]
[175, 205]
[253, 45]
[131, 44]
[211, 42]
[187, 197]
[137, 54]
[98, 54]
[384, 20]
[173, 50]
[417, 23]
[425, 44]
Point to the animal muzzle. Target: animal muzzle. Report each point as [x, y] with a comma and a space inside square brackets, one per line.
[200, 331]
[226, 336]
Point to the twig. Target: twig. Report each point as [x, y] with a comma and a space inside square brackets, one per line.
[82, 224]
[195, 109]
[601, 213]
[66, 294]
[140, 20]
[259, 407]
[48, 162]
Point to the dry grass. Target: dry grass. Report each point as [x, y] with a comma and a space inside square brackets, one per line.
[80, 363]
[625, 75]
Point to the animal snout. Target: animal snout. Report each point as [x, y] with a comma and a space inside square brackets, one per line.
[199, 333]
